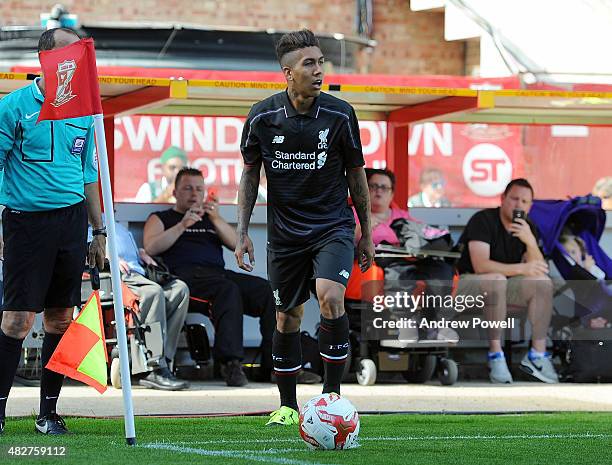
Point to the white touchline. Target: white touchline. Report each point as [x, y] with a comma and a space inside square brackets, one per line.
[414, 438]
[492, 437]
[230, 454]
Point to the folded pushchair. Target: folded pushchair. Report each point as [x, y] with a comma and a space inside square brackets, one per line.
[584, 352]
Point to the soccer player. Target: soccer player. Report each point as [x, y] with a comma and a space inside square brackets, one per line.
[309, 144]
[50, 187]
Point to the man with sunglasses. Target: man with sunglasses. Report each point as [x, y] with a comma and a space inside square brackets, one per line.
[432, 192]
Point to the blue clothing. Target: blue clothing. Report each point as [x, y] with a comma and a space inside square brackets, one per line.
[127, 248]
[47, 164]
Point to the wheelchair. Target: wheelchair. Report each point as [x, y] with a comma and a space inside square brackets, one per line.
[417, 361]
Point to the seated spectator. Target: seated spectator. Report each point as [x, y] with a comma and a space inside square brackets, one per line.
[501, 260]
[166, 304]
[188, 237]
[436, 273]
[432, 192]
[172, 160]
[603, 190]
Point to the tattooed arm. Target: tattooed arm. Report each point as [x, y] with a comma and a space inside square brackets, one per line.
[247, 195]
[358, 187]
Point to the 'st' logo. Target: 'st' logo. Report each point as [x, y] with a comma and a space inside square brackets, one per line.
[65, 73]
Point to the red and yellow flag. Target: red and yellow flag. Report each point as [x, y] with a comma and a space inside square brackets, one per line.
[81, 353]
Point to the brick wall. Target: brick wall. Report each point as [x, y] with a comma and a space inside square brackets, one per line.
[408, 42]
[472, 57]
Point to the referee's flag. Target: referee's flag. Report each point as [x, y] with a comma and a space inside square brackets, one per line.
[81, 353]
[71, 82]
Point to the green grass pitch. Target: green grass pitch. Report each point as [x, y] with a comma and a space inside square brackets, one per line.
[565, 438]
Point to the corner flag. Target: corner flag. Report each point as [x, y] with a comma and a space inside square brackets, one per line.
[81, 353]
[71, 82]
[72, 90]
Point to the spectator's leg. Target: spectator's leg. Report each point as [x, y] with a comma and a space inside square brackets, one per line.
[152, 304]
[537, 291]
[259, 303]
[225, 311]
[494, 287]
[438, 276]
[176, 294]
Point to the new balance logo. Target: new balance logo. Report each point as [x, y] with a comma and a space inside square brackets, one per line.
[345, 274]
[321, 159]
[278, 139]
[277, 299]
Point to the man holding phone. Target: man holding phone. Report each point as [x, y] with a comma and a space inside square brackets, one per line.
[189, 238]
[501, 261]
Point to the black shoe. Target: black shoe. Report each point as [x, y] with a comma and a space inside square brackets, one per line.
[1, 425]
[166, 373]
[162, 379]
[234, 376]
[51, 423]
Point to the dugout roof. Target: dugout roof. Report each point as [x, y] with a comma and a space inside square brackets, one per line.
[399, 100]
[396, 99]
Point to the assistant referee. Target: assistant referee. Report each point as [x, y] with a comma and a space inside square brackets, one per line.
[50, 187]
[308, 142]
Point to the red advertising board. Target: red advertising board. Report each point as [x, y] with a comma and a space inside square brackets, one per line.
[477, 160]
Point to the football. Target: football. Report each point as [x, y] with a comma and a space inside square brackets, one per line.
[329, 422]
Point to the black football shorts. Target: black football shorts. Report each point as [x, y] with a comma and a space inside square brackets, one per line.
[44, 258]
[291, 270]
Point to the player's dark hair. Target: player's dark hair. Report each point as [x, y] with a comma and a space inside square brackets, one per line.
[372, 171]
[47, 38]
[293, 41]
[521, 182]
[186, 172]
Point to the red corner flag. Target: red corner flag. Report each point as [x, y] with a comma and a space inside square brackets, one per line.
[71, 82]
